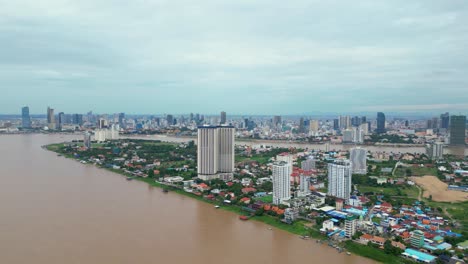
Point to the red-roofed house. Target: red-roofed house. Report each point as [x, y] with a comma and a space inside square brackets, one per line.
[248, 190]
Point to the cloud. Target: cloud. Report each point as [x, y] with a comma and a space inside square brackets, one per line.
[244, 56]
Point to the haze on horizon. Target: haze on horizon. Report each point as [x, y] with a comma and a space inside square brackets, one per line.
[253, 57]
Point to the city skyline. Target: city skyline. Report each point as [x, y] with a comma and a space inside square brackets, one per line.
[386, 56]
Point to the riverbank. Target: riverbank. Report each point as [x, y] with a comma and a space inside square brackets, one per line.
[298, 228]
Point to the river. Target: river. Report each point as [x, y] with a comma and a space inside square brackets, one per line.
[55, 210]
[459, 151]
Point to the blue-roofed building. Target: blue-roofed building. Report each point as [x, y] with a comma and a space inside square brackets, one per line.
[444, 246]
[337, 214]
[418, 256]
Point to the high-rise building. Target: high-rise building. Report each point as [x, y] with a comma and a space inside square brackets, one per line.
[457, 130]
[277, 121]
[345, 122]
[281, 182]
[223, 118]
[50, 118]
[25, 118]
[435, 123]
[313, 127]
[121, 120]
[358, 157]
[226, 150]
[380, 123]
[350, 226]
[356, 121]
[215, 152]
[308, 164]
[61, 119]
[301, 128]
[288, 158]
[170, 120]
[435, 150]
[445, 120]
[364, 128]
[77, 119]
[339, 179]
[348, 136]
[336, 124]
[304, 184]
[417, 239]
[87, 140]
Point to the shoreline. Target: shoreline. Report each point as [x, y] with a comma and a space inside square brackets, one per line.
[297, 228]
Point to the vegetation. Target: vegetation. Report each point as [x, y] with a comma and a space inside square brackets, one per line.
[374, 253]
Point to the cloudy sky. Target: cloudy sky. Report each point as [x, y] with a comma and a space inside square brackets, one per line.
[243, 56]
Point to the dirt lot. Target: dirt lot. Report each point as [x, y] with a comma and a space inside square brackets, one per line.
[438, 189]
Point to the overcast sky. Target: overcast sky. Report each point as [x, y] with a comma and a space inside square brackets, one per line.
[242, 56]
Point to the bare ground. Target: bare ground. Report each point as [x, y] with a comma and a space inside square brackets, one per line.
[438, 189]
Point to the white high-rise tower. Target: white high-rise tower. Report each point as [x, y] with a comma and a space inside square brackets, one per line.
[339, 179]
[281, 182]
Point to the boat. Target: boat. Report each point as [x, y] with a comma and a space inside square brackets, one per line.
[165, 190]
[348, 253]
[270, 228]
[129, 178]
[216, 206]
[243, 218]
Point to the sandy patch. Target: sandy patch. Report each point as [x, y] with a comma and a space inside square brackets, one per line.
[438, 189]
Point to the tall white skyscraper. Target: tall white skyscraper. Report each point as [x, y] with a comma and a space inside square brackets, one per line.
[358, 157]
[288, 158]
[339, 179]
[215, 152]
[281, 182]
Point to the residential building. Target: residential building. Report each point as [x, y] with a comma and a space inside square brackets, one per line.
[457, 130]
[350, 226]
[87, 140]
[348, 136]
[215, 152]
[25, 118]
[339, 179]
[380, 123]
[308, 164]
[417, 239]
[358, 157]
[304, 184]
[288, 158]
[281, 182]
[435, 151]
